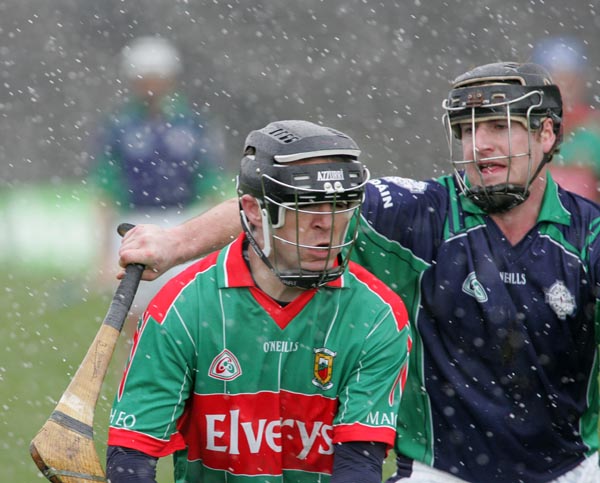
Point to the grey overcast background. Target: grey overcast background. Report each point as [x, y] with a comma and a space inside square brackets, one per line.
[375, 69]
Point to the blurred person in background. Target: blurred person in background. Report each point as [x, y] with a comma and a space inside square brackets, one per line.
[154, 162]
[577, 167]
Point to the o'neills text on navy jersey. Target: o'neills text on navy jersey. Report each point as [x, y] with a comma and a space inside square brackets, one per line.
[513, 278]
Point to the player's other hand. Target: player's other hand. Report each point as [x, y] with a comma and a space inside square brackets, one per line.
[151, 246]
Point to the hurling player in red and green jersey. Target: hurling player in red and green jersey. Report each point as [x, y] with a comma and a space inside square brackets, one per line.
[276, 359]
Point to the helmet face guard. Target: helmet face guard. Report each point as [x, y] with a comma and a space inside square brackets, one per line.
[487, 96]
[288, 189]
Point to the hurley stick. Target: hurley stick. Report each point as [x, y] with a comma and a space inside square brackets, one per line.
[63, 449]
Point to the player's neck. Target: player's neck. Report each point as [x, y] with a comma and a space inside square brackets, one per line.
[268, 282]
[517, 222]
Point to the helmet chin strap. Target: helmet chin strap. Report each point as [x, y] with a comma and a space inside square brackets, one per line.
[499, 198]
[266, 250]
[503, 197]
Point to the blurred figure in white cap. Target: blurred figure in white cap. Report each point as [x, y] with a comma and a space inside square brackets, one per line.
[150, 56]
[154, 163]
[150, 65]
[577, 167]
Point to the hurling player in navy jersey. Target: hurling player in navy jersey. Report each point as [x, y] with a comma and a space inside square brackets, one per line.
[499, 268]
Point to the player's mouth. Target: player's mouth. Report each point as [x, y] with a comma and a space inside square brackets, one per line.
[320, 250]
[490, 167]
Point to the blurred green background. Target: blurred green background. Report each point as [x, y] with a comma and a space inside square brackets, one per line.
[52, 307]
[49, 323]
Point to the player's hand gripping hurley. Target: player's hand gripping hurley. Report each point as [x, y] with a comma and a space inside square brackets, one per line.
[64, 448]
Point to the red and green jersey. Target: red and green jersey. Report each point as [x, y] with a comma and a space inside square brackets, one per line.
[242, 389]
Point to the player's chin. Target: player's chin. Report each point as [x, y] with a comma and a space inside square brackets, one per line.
[320, 264]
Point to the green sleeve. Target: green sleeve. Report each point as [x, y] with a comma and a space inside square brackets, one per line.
[374, 388]
[583, 148]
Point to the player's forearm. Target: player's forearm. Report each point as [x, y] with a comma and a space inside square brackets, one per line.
[207, 232]
[160, 249]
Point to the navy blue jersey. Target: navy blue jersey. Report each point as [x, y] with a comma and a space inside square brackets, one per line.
[503, 381]
[154, 160]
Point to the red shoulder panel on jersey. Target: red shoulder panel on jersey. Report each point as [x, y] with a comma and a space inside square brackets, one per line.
[386, 293]
[162, 302]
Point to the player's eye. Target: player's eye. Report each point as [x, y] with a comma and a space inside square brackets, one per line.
[466, 129]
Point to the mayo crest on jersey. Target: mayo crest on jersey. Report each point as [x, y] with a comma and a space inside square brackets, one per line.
[245, 388]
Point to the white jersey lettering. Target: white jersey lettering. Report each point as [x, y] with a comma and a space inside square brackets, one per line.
[384, 192]
[254, 440]
[513, 278]
[378, 418]
[235, 417]
[267, 431]
[273, 435]
[122, 419]
[307, 440]
[326, 431]
[213, 434]
[280, 346]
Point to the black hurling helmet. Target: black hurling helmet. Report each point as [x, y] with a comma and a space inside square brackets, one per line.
[512, 92]
[271, 173]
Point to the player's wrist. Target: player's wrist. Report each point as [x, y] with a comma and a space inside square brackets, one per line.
[185, 244]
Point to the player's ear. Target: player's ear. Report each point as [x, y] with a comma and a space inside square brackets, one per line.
[547, 135]
[251, 210]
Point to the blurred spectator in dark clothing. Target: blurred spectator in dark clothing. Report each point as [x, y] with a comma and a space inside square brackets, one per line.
[577, 168]
[154, 163]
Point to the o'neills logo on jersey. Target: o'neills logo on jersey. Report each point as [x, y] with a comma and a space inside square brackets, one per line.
[225, 367]
[323, 368]
[336, 175]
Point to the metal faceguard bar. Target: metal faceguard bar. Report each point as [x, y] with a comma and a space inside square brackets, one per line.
[348, 188]
[300, 278]
[481, 113]
[332, 193]
[492, 98]
[343, 244]
[314, 183]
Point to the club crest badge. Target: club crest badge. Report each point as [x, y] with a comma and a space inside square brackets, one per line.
[323, 368]
[560, 300]
[225, 367]
[471, 286]
[412, 185]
